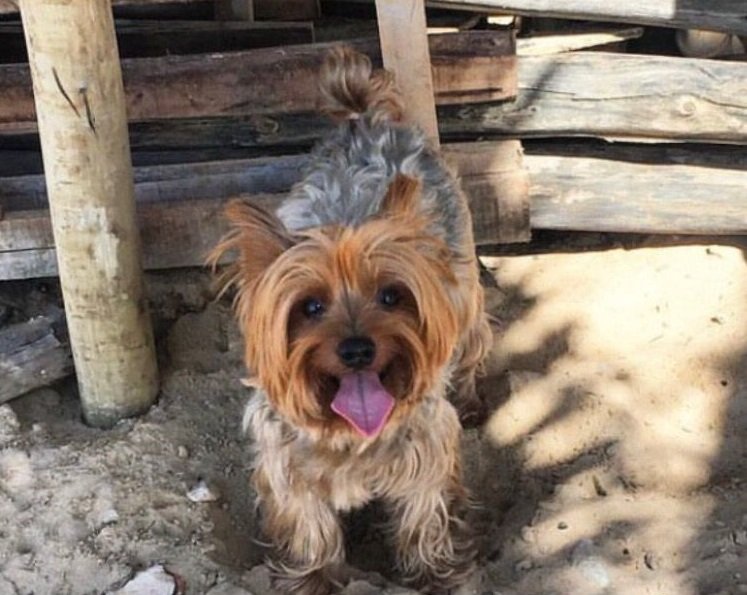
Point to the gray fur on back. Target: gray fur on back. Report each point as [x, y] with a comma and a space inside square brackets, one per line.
[350, 170]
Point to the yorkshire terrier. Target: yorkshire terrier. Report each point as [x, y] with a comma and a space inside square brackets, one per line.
[362, 311]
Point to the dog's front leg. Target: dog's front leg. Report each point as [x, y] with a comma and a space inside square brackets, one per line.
[306, 532]
[434, 549]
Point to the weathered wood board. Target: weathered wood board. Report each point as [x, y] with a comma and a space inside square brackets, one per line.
[141, 38]
[717, 15]
[619, 96]
[266, 81]
[179, 217]
[33, 354]
[590, 94]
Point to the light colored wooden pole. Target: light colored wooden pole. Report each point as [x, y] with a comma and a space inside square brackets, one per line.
[80, 107]
[404, 47]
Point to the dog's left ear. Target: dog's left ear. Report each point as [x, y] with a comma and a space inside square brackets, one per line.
[402, 197]
[257, 238]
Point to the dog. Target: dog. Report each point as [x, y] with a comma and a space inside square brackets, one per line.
[361, 308]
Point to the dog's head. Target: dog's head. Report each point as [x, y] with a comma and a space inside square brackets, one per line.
[346, 328]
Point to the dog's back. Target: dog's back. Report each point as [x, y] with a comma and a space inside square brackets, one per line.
[350, 169]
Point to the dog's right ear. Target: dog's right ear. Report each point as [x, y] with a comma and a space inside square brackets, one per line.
[256, 239]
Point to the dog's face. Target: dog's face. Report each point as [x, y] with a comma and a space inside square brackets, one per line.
[345, 328]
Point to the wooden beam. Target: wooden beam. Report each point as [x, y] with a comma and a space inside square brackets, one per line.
[11, 6]
[480, 65]
[618, 96]
[542, 45]
[179, 212]
[83, 128]
[717, 15]
[587, 194]
[138, 39]
[404, 46]
[33, 354]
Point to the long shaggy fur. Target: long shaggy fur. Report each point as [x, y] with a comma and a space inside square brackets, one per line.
[376, 209]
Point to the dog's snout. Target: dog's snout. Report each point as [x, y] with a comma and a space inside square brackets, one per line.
[356, 352]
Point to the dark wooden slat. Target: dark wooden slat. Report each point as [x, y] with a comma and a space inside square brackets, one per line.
[137, 39]
[267, 81]
[177, 232]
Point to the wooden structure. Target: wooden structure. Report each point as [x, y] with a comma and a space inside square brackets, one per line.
[83, 129]
[542, 136]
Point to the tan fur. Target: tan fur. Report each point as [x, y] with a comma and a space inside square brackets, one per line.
[310, 465]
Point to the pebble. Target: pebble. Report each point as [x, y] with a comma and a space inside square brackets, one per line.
[153, 581]
[202, 493]
[523, 565]
[740, 537]
[182, 452]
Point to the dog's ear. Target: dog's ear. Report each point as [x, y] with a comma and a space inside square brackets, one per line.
[256, 239]
[402, 197]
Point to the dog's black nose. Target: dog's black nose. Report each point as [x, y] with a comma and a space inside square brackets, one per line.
[356, 352]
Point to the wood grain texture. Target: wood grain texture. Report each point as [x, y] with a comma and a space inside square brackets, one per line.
[179, 216]
[616, 96]
[403, 35]
[267, 81]
[33, 354]
[83, 130]
[542, 45]
[587, 194]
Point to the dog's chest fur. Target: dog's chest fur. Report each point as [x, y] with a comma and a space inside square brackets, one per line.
[350, 472]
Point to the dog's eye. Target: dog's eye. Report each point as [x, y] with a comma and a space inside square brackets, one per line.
[388, 297]
[312, 308]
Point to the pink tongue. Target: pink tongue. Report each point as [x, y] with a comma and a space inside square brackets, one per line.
[363, 402]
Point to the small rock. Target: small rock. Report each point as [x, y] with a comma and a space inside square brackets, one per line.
[740, 537]
[523, 565]
[182, 452]
[595, 571]
[9, 426]
[107, 516]
[153, 581]
[650, 561]
[583, 550]
[202, 493]
[562, 525]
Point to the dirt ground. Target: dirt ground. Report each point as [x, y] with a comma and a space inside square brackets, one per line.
[614, 460]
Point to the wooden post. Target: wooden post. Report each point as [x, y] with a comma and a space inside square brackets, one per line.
[404, 48]
[80, 108]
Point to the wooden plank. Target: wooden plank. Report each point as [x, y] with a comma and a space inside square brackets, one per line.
[589, 94]
[717, 15]
[83, 130]
[588, 194]
[266, 81]
[496, 190]
[33, 354]
[404, 46]
[137, 39]
[11, 6]
[542, 45]
[616, 96]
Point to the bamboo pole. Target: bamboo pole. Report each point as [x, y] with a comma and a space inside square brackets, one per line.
[80, 107]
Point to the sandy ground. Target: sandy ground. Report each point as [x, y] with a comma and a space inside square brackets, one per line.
[614, 460]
